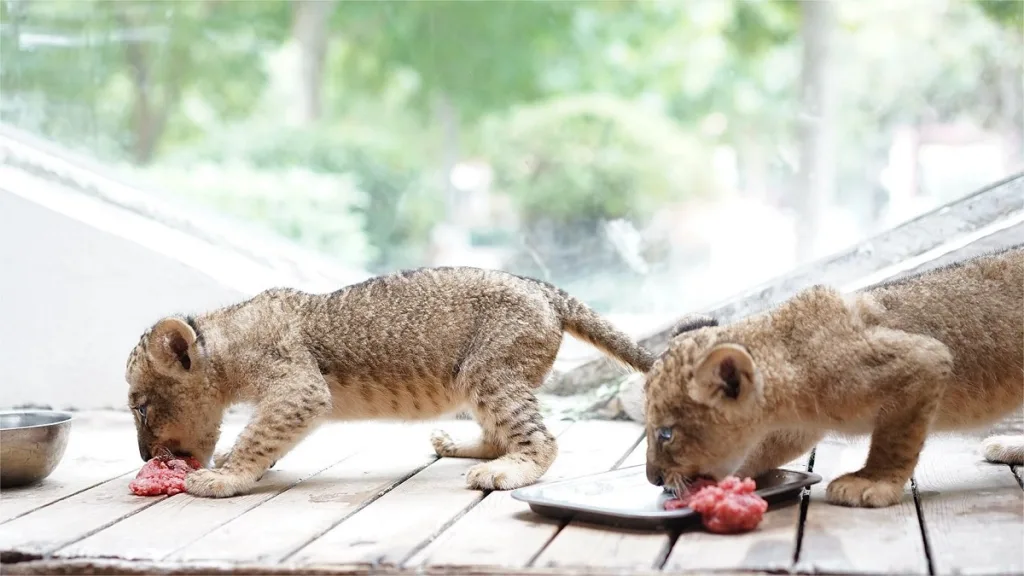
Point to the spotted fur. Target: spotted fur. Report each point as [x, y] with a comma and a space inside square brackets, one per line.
[411, 345]
[943, 350]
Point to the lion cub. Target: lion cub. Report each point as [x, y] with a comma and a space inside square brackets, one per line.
[942, 350]
[415, 344]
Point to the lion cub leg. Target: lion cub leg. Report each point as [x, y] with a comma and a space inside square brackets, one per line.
[514, 434]
[280, 421]
[514, 423]
[484, 448]
[1004, 449]
[908, 374]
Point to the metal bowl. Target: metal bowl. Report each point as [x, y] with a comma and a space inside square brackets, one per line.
[32, 443]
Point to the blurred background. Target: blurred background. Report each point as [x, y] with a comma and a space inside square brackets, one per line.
[649, 157]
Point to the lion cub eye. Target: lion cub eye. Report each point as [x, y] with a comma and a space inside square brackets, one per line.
[141, 409]
[664, 434]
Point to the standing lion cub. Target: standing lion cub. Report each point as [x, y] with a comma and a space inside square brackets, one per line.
[942, 350]
[415, 344]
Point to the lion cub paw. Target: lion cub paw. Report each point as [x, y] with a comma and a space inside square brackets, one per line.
[443, 443]
[210, 483]
[1004, 449]
[853, 490]
[501, 475]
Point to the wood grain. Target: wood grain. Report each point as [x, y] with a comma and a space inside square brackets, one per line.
[504, 532]
[770, 547]
[394, 526]
[581, 545]
[276, 529]
[174, 522]
[973, 510]
[845, 540]
[46, 529]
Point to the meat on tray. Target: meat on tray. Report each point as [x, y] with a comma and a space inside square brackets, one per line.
[728, 507]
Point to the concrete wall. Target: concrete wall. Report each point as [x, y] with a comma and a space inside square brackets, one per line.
[74, 300]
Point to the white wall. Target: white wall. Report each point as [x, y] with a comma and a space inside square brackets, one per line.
[74, 300]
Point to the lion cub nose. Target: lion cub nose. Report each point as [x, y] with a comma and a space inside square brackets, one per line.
[654, 475]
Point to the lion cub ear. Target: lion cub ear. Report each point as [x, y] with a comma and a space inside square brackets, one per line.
[171, 346]
[726, 377]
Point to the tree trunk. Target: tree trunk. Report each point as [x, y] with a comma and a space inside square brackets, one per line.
[1011, 103]
[447, 117]
[149, 113]
[310, 31]
[816, 179]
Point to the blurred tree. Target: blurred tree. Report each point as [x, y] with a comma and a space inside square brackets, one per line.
[134, 62]
[481, 56]
[1006, 72]
[310, 29]
[572, 164]
[816, 123]
[468, 58]
[379, 175]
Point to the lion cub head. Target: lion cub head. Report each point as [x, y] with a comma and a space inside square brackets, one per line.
[703, 400]
[174, 405]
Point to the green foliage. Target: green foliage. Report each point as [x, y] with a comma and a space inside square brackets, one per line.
[191, 87]
[591, 157]
[1007, 13]
[320, 211]
[397, 204]
[482, 55]
[127, 66]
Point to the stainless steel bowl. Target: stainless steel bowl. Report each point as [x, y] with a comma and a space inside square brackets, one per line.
[32, 443]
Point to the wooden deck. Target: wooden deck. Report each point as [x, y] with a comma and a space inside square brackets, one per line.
[372, 497]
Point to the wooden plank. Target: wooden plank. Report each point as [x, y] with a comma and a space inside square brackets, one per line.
[100, 447]
[174, 522]
[973, 510]
[845, 540]
[394, 526]
[46, 529]
[769, 548]
[504, 532]
[68, 519]
[586, 546]
[273, 530]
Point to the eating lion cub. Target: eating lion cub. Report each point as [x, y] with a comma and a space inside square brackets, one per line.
[939, 351]
[414, 344]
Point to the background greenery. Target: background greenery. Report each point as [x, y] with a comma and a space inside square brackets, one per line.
[335, 122]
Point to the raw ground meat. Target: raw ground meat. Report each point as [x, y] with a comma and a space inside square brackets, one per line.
[163, 475]
[729, 507]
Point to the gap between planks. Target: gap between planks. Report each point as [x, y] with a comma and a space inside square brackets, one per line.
[110, 521]
[170, 526]
[769, 548]
[839, 539]
[496, 531]
[83, 467]
[973, 511]
[585, 545]
[407, 519]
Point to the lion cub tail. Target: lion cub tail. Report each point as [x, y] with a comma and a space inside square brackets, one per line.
[582, 322]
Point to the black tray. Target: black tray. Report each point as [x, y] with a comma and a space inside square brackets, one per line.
[625, 499]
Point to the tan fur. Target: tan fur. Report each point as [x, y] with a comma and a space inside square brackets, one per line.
[939, 351]
[415, 344]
